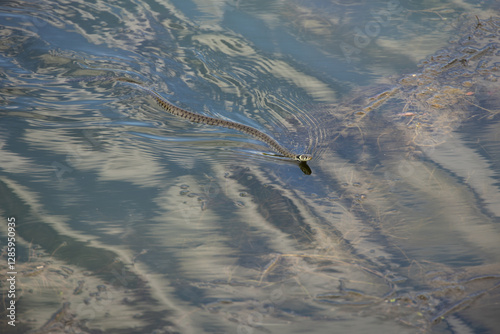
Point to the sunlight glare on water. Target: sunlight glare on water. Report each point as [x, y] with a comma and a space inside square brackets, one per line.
[129, 219]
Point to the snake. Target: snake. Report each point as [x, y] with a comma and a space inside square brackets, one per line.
[198, 118]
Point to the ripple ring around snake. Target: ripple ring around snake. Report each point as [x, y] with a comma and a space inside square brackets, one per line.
[197, 118]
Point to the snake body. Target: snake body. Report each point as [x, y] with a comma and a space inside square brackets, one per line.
[197, 118]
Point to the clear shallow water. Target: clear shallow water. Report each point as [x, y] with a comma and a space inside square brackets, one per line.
[130, 220]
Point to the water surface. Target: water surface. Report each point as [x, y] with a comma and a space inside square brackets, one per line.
[131, 220]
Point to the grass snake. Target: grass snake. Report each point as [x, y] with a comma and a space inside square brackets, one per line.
[197, 118]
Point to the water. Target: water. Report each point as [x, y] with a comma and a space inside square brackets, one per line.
[131, 220]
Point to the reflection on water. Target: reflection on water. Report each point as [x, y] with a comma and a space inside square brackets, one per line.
[132, 220]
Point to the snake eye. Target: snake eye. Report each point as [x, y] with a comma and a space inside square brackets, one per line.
[304, 157]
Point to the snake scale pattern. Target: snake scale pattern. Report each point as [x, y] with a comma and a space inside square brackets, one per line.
[197, 118]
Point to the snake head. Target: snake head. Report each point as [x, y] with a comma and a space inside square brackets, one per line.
[303, 157]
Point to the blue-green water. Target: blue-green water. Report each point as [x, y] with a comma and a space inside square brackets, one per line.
[129, 220]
